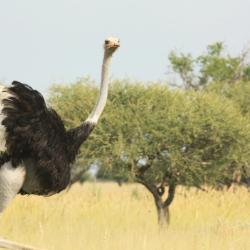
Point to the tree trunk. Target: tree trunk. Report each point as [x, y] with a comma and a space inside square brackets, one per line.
[162, 206]
[163, 215]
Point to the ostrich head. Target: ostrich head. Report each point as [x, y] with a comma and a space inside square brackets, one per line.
[111, 44]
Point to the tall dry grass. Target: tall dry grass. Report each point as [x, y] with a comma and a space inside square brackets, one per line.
[106, 217]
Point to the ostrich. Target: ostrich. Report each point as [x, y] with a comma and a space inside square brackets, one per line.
[36, 151]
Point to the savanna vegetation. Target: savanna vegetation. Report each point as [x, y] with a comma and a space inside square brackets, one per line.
[161, 136]
[106, 216]
[185, 144]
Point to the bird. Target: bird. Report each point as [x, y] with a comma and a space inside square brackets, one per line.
[36, 150]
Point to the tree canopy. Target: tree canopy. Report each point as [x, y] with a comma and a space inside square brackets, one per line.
[189, 134]
[215, 65]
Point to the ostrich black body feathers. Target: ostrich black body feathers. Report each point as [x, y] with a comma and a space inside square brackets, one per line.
[37, 138]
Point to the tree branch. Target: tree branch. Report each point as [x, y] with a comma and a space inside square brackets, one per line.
[171, 194]
[151, 187]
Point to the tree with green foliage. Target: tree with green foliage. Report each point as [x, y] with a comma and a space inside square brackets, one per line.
[239, 93]
[219, 72]
[216, 65]
[159, 137]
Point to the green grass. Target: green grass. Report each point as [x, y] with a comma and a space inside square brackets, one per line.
[105, 216]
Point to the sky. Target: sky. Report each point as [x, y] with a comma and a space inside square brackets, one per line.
[59, 41]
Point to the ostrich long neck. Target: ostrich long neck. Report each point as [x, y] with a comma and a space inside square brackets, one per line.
[101, 102]
[78, 135]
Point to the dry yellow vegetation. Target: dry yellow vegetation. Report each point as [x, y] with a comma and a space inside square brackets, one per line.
[105, 216]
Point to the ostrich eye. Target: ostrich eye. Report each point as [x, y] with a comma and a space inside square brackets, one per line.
[106, 41]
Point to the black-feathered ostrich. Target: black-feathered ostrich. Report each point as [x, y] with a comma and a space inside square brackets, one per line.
[35, 149]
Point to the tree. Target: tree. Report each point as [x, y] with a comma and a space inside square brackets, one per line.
[216, 65]
[175, 138]
[239, 93]
[159, 137]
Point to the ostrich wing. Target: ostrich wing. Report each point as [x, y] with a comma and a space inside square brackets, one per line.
[35, 132]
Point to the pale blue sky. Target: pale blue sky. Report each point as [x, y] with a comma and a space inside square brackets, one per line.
[48, 41]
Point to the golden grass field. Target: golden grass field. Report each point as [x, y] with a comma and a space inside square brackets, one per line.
[105, 216]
